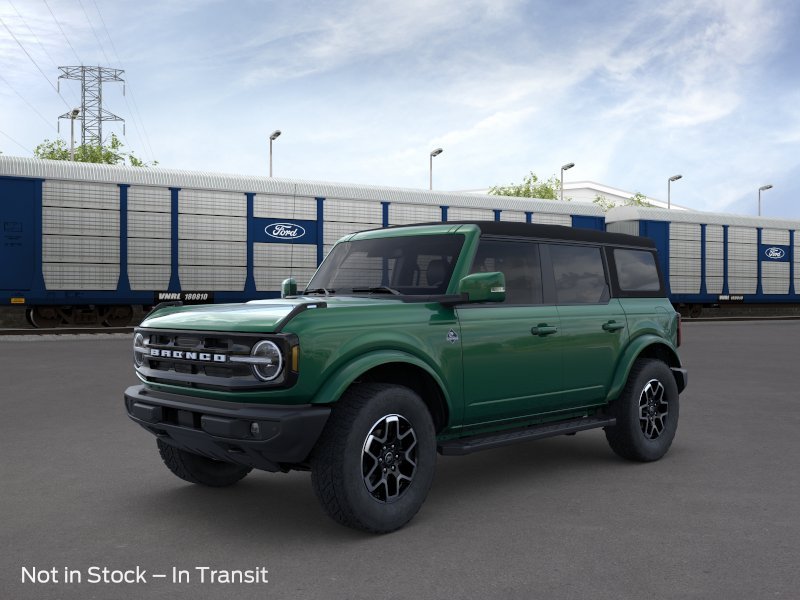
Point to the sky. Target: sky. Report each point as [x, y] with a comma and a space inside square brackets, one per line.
[632, 92]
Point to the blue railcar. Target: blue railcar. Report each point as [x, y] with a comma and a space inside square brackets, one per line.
[86, 242]
[710, 259]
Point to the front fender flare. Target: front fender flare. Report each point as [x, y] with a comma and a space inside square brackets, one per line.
[343, 378]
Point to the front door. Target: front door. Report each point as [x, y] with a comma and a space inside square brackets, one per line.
[512, 352]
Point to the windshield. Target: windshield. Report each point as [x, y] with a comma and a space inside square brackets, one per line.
[408, 265]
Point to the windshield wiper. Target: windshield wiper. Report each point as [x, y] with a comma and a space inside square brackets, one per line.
[319, 291]
[378, 289]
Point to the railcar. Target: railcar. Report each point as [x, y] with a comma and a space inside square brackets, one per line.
[711, 259]
[87, 243]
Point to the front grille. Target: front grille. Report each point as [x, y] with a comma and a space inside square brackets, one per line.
[201, 359]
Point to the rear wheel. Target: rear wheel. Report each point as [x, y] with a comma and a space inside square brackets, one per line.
[646, 413]
[117, 316]
[44, 317]
[199, 469]
[374, 463]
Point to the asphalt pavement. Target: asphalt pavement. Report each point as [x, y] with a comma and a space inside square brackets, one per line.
[83, 489]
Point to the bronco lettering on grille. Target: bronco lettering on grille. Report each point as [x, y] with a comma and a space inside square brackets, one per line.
[204, 356]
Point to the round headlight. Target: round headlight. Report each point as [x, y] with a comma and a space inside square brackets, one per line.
[269, 360]
[138, 349]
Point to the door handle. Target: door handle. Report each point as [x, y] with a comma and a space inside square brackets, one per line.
[543, 329]
[613, 326]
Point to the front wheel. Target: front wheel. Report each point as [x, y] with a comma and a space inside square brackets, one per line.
[646, 413]
[199, 469]
[373, 464]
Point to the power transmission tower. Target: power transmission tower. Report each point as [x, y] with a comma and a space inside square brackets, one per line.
[92, 112]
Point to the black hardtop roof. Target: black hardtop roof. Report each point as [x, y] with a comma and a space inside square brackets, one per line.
[552, 232]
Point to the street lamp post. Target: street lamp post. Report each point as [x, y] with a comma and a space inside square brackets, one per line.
[763, 188]
[564, 168]
[272, 138]
[669, 189]
[73, 114]
[436, 152]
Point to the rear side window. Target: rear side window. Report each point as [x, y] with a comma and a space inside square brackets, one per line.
[636, 270]
[580, 277]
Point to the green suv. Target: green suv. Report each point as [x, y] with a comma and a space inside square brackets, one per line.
[448, 337]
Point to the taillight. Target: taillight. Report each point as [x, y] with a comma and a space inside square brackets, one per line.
[679, 330]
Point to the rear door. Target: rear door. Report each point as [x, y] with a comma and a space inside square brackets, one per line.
[17, 235]
[593, 325]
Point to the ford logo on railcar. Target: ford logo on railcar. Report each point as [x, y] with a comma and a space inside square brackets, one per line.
[775, 253]
[285, 231]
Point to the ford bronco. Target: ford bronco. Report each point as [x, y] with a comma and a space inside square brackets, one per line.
[448, 337]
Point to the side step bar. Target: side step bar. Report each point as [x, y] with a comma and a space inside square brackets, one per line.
[472, 444]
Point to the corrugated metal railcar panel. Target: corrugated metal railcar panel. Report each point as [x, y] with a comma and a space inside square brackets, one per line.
[284, 255]
[684, 284]
[715, 233]
[80, 249]
[775, 236]
[212, 278]
[149, 225]
[205, 202]
[748, 252]
[285, 207]
[684, 266]
[684, 231]
[742, 235]
[551, 219]
[796, 261]
[459, 213]
[684, 249]
[197, 252]
[513, 216]
[149, 277]
[149, 199]
[76, 221]
[715, 267]
[143, 251]
[406, 214]
[350, 211]
[715, 250]
[74, 276]
[742, 285]
[628, 227]
[742, 268]
[334, 231]
[775, 277]
[80, 194]
[209, 227]
[270, 279]
[714, 285]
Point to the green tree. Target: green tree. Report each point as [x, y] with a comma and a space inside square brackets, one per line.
[531, 187]
[638, 199]
[109, 154]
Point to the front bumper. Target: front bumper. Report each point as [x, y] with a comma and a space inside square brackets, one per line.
[266, 437]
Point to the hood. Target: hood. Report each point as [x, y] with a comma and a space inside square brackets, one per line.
[257, 316]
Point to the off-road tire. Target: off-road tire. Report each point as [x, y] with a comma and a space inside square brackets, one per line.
[344, 458]
[646, 412]
[199, 469]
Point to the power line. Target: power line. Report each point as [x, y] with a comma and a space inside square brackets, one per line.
[16, 142]
[135, 114]
[50, 124]
[99, 43]
[52, 14]
[11, 33]
[35, 37]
